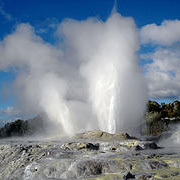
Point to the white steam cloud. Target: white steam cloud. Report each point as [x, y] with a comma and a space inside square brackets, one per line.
[92, 81]
[165, 34]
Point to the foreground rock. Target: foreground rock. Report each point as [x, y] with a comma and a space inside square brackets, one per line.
[85, 158]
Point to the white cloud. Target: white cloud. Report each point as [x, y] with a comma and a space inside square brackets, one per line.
[163, 75]
[167, 33]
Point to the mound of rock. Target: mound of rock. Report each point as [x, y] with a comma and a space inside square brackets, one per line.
[103, 136]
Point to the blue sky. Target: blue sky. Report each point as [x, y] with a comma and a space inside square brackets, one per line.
[45, 15]
[36, 12]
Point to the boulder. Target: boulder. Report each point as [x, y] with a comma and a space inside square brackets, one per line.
[80, 146]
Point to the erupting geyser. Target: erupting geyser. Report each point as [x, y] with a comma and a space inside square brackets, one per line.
[106, 52]
[92, 82]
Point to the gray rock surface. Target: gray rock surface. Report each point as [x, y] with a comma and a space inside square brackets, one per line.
[85, 158]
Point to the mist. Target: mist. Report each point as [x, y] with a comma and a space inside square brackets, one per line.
[89, 80]
[171, 138]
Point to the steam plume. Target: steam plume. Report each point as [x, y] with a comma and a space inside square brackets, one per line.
[92, 82]
[114, 9]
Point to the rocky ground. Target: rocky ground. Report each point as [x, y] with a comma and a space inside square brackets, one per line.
[91, 155]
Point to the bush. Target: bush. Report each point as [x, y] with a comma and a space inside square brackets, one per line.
[155, 124]
[22, 128]
[153, 106]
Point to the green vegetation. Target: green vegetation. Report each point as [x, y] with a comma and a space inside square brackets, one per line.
[22, 128]
[158, 117]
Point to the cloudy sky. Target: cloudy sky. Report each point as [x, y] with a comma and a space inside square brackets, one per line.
[158, 24]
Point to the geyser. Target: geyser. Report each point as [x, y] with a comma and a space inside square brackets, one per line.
[91, 81]
[106, 52]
